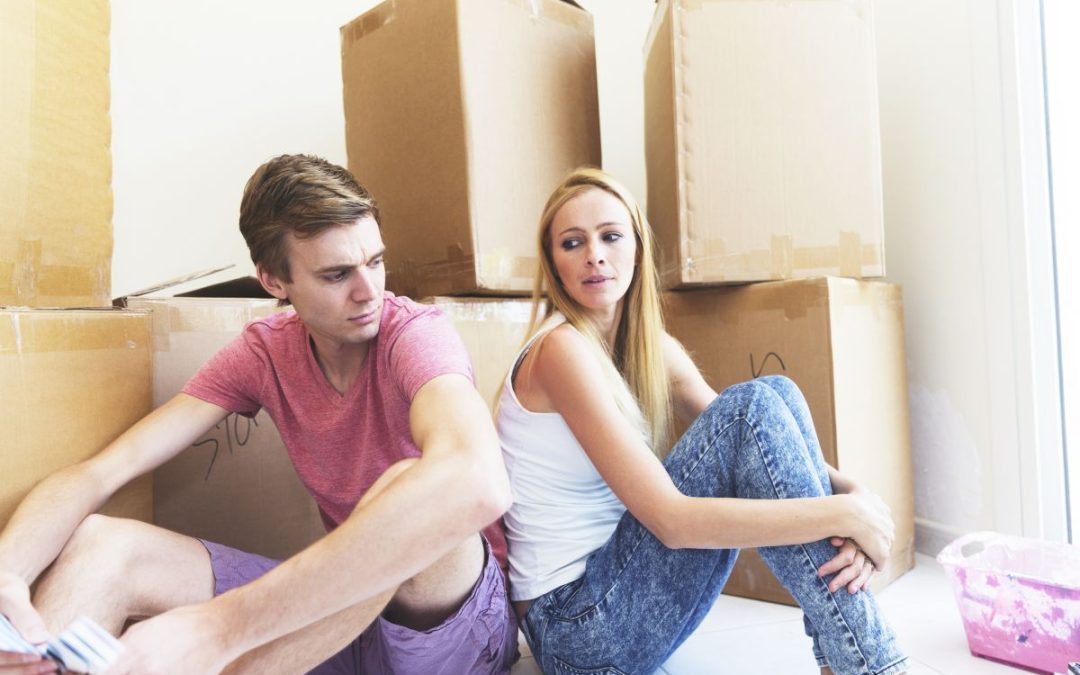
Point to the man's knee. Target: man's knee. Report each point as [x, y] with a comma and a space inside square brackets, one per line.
[103, 539]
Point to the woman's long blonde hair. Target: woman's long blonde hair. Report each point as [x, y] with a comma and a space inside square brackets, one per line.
[635, 364]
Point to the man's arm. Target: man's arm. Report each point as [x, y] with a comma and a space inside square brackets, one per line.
[456, 488]
[46, 518]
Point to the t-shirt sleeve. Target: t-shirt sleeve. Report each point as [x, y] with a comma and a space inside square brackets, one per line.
[425, 348]
[232, 378]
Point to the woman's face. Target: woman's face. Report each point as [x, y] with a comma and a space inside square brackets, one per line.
[594, 249]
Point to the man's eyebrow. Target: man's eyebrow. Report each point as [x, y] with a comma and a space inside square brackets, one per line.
[344, 267]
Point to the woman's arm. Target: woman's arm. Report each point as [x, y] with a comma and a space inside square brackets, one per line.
[690, 393]
[569, 377]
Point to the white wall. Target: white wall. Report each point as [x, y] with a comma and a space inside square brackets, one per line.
[204, 93]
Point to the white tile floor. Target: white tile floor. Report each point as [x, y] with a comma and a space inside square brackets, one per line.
[742, 637]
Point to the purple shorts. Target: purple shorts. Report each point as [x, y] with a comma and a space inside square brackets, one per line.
[480, 638]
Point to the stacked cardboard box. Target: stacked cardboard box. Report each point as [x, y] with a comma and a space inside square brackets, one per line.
[73, 380]
[763, 160]
[461, 117]
[762, 142]
[842, 342]
[55, 168]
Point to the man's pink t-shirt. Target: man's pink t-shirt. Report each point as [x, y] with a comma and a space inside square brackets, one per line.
[339, 444]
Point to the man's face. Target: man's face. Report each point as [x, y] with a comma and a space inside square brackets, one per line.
[338, 281]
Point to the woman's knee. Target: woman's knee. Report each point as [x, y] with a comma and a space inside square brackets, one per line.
[781, 384]
[746, 398]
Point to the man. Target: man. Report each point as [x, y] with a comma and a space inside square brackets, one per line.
[373, 397]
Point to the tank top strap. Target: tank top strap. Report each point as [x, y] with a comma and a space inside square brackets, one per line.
[549, 324]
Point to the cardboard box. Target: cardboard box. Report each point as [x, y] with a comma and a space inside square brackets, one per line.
[236, 485]
[842, 342]
[73, 380]
[762, 141]
[461, 117]
[493, 331]
[55, 167]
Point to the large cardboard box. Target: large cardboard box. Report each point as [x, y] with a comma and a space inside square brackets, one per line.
[73, 380]
[762, 140]
[842, 342]
[461, 116]
[55, 166]
[236, 485]
[493, 331]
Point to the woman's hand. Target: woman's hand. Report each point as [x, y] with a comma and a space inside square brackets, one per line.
[872, 526]
[850, 564]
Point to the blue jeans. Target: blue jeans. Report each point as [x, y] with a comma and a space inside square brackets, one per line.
[639, 600]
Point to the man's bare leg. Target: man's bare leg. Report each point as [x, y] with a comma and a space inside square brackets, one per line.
[113, 569]
[420, 603]
[306, 648]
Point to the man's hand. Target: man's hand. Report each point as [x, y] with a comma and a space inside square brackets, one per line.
[852, 567]
[185, 640]
[15, 605]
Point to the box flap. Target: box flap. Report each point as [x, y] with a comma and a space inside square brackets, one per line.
[220, 282]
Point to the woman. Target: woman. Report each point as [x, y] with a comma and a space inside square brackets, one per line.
[616, 555]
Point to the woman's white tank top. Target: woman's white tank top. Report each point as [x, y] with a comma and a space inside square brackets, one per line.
[563, 509]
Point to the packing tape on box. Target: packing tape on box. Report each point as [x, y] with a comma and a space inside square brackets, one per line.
[565, 12]
[369, 22]
[200, 315]
[502, 270]
[857, 7]
[514, 311]
[794, 297]
[24, 281]
[29, 331]
[709, 261]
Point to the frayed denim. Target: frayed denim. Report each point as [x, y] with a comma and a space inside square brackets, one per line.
[639, 600]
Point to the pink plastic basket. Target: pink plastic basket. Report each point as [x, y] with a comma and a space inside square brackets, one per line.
[1019, 598]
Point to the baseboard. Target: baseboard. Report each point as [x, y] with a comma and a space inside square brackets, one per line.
[932, 536]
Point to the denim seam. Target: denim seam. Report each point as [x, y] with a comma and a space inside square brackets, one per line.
[706, 448]
[837, 614]
[899, 666]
